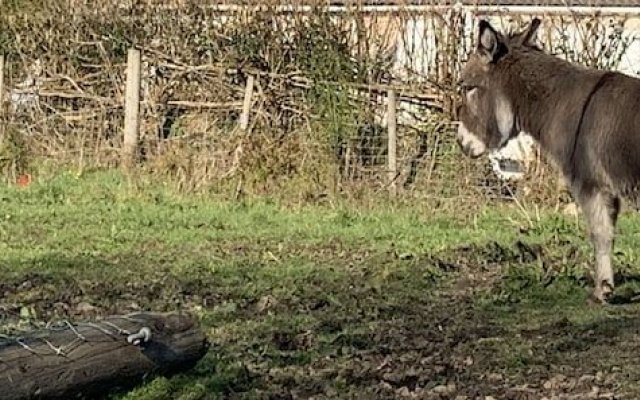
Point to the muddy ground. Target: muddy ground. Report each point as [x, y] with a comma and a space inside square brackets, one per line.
[474, 323]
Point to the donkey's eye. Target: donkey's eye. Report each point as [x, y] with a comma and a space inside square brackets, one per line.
[468, 88]
[468, 92]
[465, 88]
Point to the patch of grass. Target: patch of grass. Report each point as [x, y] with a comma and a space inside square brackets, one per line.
[14, 157]
[333, 301]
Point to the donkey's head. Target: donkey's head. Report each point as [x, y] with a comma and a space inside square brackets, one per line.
[486, 115]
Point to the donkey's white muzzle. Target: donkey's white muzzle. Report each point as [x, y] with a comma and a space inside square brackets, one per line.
[469, 143]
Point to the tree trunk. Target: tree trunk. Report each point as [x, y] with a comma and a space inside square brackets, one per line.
[90, 359]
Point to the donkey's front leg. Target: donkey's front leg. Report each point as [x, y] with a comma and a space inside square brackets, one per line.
[601, 211]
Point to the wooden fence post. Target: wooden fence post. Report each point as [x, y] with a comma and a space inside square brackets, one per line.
[132, 108]
[1, 84]
[392, 141]
[246, 105]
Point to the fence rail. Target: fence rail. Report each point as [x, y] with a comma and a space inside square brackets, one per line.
[373, 110]
[133, 102]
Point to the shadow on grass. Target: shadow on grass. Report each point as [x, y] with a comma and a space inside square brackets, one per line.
[376, 330]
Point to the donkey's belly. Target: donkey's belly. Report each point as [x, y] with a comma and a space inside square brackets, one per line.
[623, 178]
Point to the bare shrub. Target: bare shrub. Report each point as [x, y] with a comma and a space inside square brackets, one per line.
[318, 117]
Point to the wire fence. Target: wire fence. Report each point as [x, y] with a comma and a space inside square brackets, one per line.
[251, 98]
[39, 342]
[67, 359]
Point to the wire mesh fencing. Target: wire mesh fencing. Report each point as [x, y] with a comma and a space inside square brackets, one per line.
[318, 111]
[46, 340]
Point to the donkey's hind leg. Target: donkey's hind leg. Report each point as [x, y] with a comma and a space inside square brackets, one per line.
[601, 211]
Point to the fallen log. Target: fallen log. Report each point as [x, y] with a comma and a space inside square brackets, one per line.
[89, 359]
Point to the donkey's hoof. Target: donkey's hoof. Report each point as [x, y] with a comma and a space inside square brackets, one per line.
[602, 293]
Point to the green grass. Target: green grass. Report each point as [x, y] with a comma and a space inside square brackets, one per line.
[360, 302]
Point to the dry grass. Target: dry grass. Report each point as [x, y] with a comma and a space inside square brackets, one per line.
[318, 115]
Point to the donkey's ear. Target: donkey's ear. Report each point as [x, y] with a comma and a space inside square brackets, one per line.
[528, 36]
[490, 42]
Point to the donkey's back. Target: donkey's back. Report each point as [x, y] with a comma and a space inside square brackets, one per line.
[607, 147]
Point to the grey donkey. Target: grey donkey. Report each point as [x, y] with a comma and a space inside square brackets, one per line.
[586, 121]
